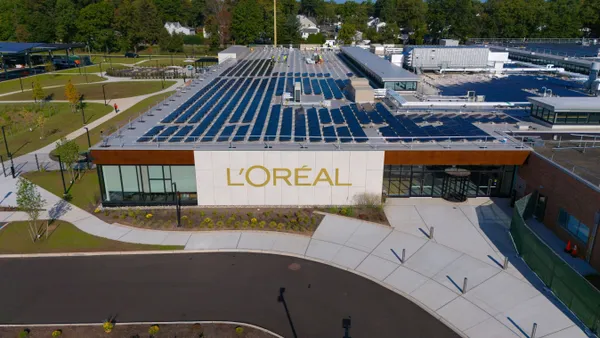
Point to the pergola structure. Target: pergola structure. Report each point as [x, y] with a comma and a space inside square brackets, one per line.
[26, 49]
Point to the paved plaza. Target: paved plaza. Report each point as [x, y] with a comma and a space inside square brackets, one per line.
[470, 240]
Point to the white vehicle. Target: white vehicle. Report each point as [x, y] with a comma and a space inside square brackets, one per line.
[310, 61]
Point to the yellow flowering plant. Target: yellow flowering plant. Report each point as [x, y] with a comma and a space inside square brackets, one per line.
[108, 326]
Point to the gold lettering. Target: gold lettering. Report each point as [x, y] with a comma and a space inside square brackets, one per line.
[327, 178]
[267, 173]
[229, 178]
[286, 177]
[297, 176]
[337, 179]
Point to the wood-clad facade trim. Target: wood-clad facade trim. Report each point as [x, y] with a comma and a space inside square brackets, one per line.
[455, 157]
[141, 157]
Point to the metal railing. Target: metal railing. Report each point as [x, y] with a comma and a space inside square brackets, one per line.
[502, 141]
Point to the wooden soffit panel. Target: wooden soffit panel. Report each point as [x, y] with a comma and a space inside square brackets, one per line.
[458, 157]
[152, 157]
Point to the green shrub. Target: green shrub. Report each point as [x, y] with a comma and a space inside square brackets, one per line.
[220, 224]
[245, 224]
[202, 213]
[280, 226]
[239, 330]
[368, 200]
[272, 224]
[262, 224]
[237, 224]
[24, 333]
[153, 329]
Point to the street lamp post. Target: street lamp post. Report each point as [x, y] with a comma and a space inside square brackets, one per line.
[21, 81]
[12, 165]
[177, 203]
[81, 104]
[62, 175]
[101, 73]
[104, 94]
[346, 324]
[87, 131]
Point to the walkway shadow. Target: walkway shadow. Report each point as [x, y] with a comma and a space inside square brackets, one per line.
[499, 234]
[59, 209]
[454, 283]
[281, 299]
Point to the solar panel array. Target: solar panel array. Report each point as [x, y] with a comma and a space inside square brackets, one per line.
[237, 106]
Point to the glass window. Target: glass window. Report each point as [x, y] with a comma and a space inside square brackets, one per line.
[185, 178]
[155, 171]
[573, 226]
[157, 186]
[112, 183]
[130, 179]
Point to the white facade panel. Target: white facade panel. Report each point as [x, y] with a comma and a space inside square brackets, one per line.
[289, 178]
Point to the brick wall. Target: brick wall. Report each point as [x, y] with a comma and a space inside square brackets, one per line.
[565, 191]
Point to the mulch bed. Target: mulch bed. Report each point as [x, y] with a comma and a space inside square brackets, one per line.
[370, 214]
[303, 220]
[295, 220]
[139, 331]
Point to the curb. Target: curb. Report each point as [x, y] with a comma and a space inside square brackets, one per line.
[151, 323]
[268, 252]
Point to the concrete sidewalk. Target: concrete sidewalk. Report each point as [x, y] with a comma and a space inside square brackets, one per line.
[469, 244]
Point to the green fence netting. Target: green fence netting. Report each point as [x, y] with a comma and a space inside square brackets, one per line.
[570, 287]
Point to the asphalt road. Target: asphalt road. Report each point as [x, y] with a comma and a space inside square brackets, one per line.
[212, 286]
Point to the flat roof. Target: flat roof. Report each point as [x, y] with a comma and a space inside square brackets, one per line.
[23, 47]
[240, 106]
[568, 104]
[235, 50]
[385, 70]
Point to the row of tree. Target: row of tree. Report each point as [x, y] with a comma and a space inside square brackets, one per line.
[126, 24]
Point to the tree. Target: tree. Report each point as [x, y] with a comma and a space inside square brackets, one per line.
[147, 21]
[220, 20]
[49, 66]
[347, 33]
[125, 24]
[247, 22]
[41, 123]
[68, 150]
[318, 39]
[66, 16]
[72, 95]
[38, 92]
[30, 201]
[95, 25]
[389, 33]
[176, 43]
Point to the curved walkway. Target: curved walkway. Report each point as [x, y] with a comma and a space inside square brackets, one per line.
[216, 286]
[470, 241]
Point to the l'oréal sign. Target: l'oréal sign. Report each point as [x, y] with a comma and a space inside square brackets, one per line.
[298, 177]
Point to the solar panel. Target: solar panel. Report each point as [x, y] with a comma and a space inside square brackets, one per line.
[226, 133]
[329, 134]
[299, 126]
[271, 133]
[324, 116]
[337, 117]
[179, 136]
[259, 124]
[151, 133]
[240, 135]
[314, 128]
[285, 134]
[164, 135]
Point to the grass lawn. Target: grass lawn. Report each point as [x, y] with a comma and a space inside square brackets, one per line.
[114, 90]
[85, 192]
[63, 237]
[59, 124]
[120, 119]
[92, 69]
[46, 80]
